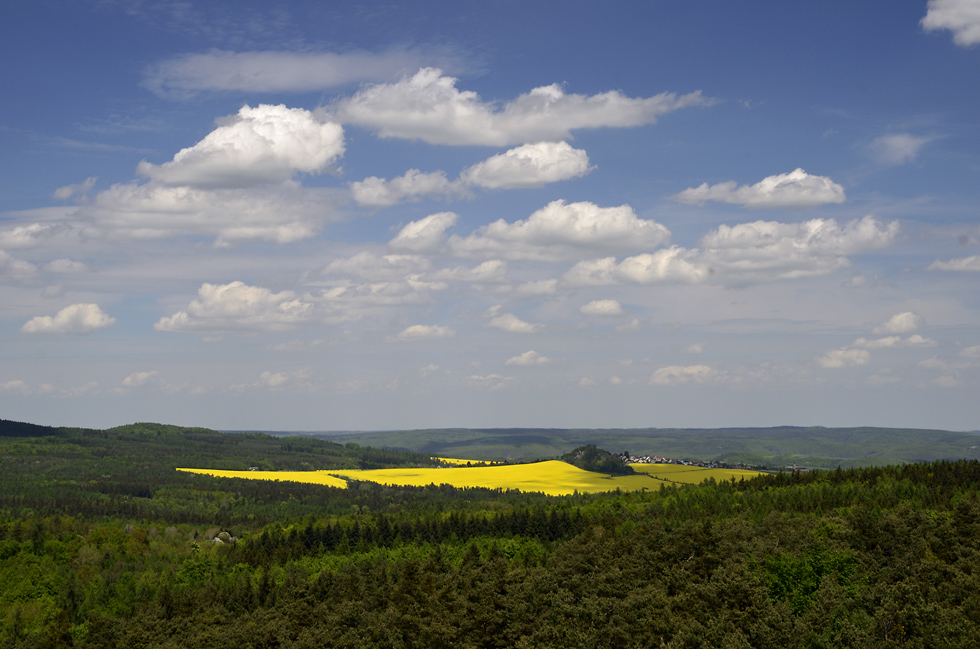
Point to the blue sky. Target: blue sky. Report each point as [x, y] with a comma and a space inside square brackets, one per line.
[307, 217]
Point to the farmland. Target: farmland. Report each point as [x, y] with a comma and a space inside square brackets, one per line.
[553, 477]
[103, 543]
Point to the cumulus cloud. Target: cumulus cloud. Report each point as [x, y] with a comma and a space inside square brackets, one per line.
[962, 17]
[561, 231]
[427, 106]
[238, 306]
[422, 332]
[79, 189]
[272, 71]
[425, 235]
[65, 266]
[493, 271]
[887, 342]
[970, 352]
[528, 358]
[677, 374]
[16, 270]
[373, 267]
[510, 322]
[838, 358]
[279, 213]
[15, 385]
[900, 323]
[412, 186]
[266, 144]
[794, 189]
[73, 319]
[897, 149]
[490, 381]
[602, 307]
[967, 264]
[748, 252]
[137, 379]
[531, 165]
[29, 236]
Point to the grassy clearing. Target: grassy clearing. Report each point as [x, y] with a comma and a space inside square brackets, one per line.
[553, 477]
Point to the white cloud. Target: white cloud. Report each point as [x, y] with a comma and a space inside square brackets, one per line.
[897, 149]
[412, 186]
[695, 348]
[422, 332]
[838, 358]
[271, 71]
[74, 319]
[970, 352]
[65, 266]
[82, 188]
[534, 288]
[29, 236]
[15, 385]
[15, 269]
[510, 322]
[561, 231]
[962, 17]
[748, 252]
[672, 264]
[900, 323]
[794, 189]
[373, 267]
[813, 237]
[425, 235]
[272, 379]
[238, 306]
[427, 106]
[968, 264]
[677, 374]
[137, 379]
[935, 363]
[945, 382]
[531, 165]
[528, 358]
[266, 144]
[914, 340]
[279, 213]
[490, 381]
[602, 307]
[493, 271]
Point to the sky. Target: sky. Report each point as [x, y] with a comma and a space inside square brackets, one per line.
[364, 216]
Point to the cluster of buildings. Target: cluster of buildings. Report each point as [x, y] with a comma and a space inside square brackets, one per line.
[653, 459]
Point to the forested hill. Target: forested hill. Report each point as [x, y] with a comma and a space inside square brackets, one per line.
[103, 544]
[777, 447]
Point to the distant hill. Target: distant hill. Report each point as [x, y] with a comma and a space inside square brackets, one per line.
[813, 446]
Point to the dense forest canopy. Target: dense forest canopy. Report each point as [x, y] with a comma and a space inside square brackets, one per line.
[103, 544]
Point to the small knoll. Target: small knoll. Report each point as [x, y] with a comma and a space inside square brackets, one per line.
[592, 458]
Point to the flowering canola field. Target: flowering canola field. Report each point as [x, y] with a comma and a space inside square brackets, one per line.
[553, 477]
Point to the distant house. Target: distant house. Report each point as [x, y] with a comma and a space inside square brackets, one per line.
[253, 468]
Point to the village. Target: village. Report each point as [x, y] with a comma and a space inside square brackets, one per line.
[653, 459]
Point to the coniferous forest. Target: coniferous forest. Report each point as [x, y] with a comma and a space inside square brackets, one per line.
[104, 544]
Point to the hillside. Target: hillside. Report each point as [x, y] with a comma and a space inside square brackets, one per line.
[103, 544]
[814, 446]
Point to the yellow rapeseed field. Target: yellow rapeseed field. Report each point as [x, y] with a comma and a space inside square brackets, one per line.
[553, 477]
[314, 477]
